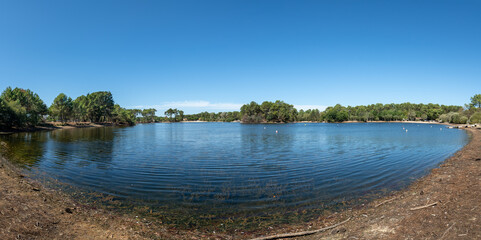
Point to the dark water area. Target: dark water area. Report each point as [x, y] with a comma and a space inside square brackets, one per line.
[229, 170]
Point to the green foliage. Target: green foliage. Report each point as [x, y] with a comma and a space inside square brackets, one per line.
[5, 115]
[61, 108]
[387, 112]
[95, 107]
[445, 118]
[337, 113]
[22, 108]
[11, 114]
[453, 117]
[100, 106]
[174, 115]
[475, 118]
[214, 117]
[278, 111]
[252, 113]
[122, 116]
[80, 105]
[312, 115]
[476, 100]
[458, 118]
[169, 113]
[148, 115]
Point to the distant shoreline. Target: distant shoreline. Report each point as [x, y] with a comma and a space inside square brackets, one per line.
[50, 126]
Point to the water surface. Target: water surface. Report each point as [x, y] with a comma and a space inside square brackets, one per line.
[224, 170]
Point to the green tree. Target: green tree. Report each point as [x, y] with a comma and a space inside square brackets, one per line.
[80, 105]
[475, 118]
[26, 105]
[175, 112]
[169, 113]
[122, 116]
[337, 113]
[180, 116]
[12, 114]
[100, 106]
[476, 100]
[61, 108]
[148, 115]
[278, 111]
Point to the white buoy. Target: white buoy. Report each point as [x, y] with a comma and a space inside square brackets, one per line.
[406, 130]
[276, 131]
[264, 127]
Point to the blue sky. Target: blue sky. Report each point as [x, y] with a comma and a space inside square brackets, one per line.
[218, 55]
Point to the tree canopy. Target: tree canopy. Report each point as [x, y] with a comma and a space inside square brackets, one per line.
[21, 108]
[476, 100]
[174, 115]
[387, 112]
[278, 112]
[61, 108]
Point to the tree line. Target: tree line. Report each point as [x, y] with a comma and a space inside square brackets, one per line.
[282, 112]
[20, 108]
[387, 112]
[214, 117]
[277, 112]
[98, 107]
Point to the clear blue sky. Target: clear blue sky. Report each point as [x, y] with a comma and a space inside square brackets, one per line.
[217, 55]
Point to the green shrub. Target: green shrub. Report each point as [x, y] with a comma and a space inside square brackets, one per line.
[445, 118]
[475, 118]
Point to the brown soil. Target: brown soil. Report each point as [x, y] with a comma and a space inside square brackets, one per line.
[30, 211]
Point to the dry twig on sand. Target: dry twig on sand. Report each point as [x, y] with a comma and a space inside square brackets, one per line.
[389, 200]
[447, 230]
[298, 234]
[425, 206]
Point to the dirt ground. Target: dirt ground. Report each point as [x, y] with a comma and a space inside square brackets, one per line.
[30, 211]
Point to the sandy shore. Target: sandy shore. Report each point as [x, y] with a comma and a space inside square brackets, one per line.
[30, 211]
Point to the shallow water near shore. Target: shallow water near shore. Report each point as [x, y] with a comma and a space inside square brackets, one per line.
[200, 173]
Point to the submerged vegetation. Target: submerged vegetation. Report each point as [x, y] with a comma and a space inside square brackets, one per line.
[20, 108]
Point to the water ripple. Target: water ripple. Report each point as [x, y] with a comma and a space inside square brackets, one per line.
[232, 167]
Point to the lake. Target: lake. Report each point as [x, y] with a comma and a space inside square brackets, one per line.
[230, 171]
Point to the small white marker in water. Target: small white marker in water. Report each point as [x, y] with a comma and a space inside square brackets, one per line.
[406, 130]
[276, 131]
[440, 129]
[264, 127]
